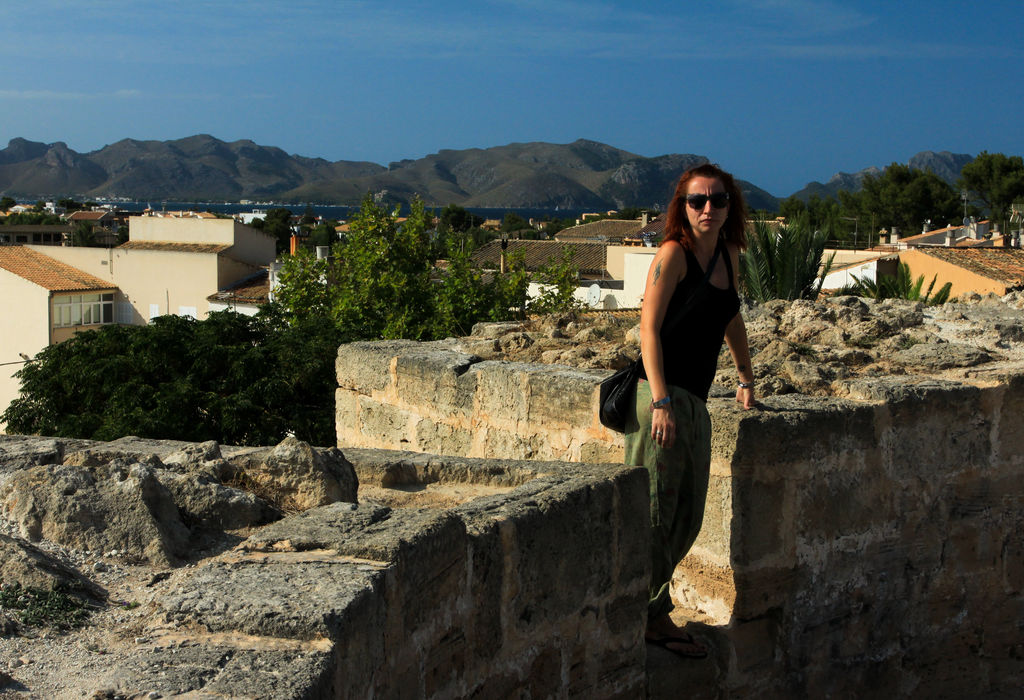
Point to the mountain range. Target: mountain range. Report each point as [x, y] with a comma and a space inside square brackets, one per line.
[579, 175]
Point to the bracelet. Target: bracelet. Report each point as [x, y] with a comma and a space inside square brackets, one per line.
[746, 385]
[661, 403]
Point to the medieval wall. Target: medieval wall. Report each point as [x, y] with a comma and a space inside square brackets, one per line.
[871, 542]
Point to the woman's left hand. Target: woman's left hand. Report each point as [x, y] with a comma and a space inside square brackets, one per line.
[745, 397]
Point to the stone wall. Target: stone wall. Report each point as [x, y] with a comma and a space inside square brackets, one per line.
[870, 545]
[462, 602]
[534, 586]
[432, 397]
[850, 545]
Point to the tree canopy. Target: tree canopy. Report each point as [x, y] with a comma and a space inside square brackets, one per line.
[232, 378]
[996, 180]
[904, 197]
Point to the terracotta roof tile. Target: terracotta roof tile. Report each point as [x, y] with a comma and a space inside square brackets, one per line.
[89, 215]
[1004, 265]
[610, 230]
[590, 258]
[175, 247]
[251, 290]
[46, 272]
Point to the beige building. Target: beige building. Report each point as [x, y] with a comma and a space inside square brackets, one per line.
[981, 270]
[172, 265]
[51, 302]
[169, 266]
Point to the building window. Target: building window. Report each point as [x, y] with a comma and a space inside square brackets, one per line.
[83, 310]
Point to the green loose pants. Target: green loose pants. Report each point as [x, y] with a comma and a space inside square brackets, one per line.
[678, 480]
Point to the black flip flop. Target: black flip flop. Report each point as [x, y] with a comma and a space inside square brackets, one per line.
[696, 649]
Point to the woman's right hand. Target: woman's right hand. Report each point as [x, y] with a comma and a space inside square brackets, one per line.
[663, 427]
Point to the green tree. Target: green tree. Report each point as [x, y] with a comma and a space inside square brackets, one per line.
[514, 222]
[232, 378]
[461, 297]
[560, 278]
[302, 291]
[380, 279]
[454, 218]
[83, 234]
[70, 205]
[905, 198]
[6, 203]
[996, 180]
[323, 234]
[277, 223]
[784, 262]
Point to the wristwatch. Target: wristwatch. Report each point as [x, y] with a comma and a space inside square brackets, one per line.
[661, 403]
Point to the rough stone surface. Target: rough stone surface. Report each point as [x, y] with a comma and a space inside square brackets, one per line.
[797, 347]
[301, 476]
[23, 563]
[119, 506]
[343, 599]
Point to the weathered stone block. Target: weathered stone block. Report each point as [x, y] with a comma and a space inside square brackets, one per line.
[383, 424]
[501, 394]
[442, 438]
[603, 451]
[715, 538]
[431, 376]
[562, 395]
[512, 445]
[842, 503]
[277, 595]
[755, 641]
[816, 431]
[953, 412]
[546, 554]
[365, 366]
[759, 514]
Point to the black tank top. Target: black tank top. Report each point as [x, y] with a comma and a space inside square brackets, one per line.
[690, 352]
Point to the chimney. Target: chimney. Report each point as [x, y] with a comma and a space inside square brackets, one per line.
[950, 238]
[644, 219]
[894, 236]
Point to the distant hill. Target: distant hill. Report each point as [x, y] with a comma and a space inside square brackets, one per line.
[582, 174]
[944, 164]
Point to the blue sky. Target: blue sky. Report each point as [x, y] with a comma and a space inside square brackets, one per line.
[780, 92]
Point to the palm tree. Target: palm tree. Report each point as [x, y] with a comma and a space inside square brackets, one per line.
[899, 287]
[784, 262]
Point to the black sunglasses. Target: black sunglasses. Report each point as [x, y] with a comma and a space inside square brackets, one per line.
[719, 200]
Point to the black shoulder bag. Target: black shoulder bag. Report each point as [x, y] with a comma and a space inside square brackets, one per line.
[616, 396]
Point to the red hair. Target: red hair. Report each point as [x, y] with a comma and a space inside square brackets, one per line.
[677, 225]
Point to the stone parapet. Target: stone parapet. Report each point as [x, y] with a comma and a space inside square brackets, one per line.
[869, 546]
[432, 397]
[868, 542]
[541, 589]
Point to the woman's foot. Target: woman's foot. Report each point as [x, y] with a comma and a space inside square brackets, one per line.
[667, 635]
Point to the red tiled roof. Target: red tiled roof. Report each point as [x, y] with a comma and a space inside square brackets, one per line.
[46, 272]
[252, 290]
[175, 247]
[89, 215]
[589, 258]
[1004, 265]
[605, 230]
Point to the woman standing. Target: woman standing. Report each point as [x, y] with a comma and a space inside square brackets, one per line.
[688, 309]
